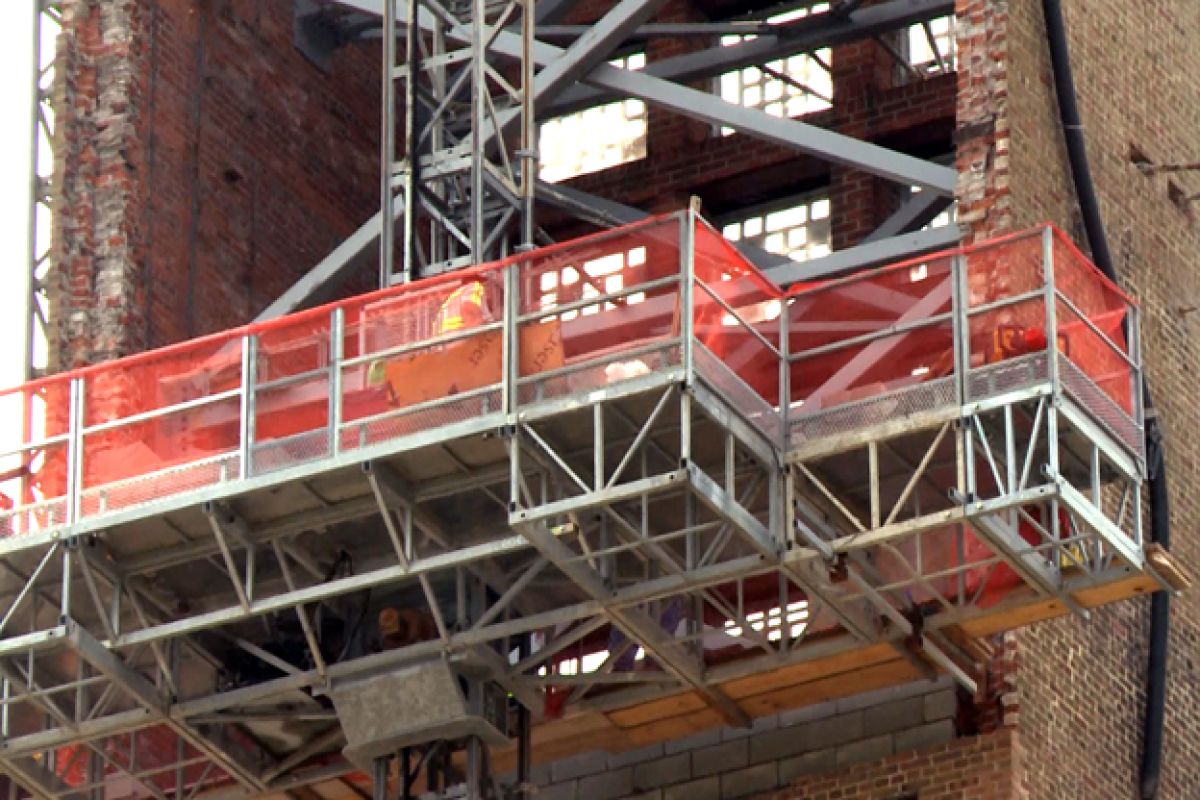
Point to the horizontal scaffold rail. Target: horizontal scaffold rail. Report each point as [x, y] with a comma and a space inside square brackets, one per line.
[626, 478]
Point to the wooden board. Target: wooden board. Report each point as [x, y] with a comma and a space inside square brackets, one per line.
[808, 671]
[672, 706]
[844, 674]
[1040, 609]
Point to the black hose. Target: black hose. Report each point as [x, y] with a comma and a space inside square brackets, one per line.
[1160, 513]
[1072, 128]
[1160, 617]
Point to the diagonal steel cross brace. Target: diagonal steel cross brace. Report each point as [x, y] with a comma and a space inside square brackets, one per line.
[636, 624]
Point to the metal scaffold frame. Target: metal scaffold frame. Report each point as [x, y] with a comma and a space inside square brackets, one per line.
[47, 20]
[605, 503]
[647, 501]
[567, 79]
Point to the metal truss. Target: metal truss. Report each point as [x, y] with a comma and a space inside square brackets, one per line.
[465, 182]
[565, 79]
[585, 539]
[47, 21]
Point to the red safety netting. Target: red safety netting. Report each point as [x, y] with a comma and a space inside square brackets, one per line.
[736, 313]
[592, 311]
[1091, 322]
[569, 339]
[837, 334]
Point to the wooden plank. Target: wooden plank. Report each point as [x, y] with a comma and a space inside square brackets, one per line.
[879, 676]
[674, 727]
[841, 675]
[808, 671]
[1038, 610]
[1169, 567]
[1007, 620]
[1118, 590]
[673, 706]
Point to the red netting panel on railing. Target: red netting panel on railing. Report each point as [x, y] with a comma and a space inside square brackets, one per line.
[427, 356]
[1100, 348]
[882, 365]
[1003, 327]
[179, 450]
[1005, 268]
[601, 311]
[33, 480]
[292, 381]
[736, 313]
[838, 334]
[162, 758]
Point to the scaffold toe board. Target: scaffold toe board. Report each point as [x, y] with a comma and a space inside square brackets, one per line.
[626, 480]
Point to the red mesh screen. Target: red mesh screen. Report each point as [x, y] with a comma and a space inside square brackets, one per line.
[596, 310]
[835, 330]
[1098, 349]
[736, 313]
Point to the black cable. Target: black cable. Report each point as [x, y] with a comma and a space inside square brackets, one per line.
[1160, 510]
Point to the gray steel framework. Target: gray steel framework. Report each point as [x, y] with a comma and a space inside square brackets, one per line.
[560, 512]
[577, 77]
[597, 507]
[47, 20]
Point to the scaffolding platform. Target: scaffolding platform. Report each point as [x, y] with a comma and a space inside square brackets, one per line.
[646, 492]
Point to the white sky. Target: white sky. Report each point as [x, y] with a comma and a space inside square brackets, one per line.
[16, 66]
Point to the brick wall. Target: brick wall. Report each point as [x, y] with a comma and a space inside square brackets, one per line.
[1077, 687]
[727, 763]
[975, 767]
[204, 164]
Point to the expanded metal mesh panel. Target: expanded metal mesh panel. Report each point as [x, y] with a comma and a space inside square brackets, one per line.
[873, 411]
[1007, 376]
[154, 486]
[408, 422]
[737, 393]
[33, 518]
[616, 368]
[1100, 406]
[290, 452]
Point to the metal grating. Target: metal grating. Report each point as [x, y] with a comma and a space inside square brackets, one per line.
[1007, 376]
[1101, 407]
[737, 393]
[895, 405]
[277, 454]
[121, 495]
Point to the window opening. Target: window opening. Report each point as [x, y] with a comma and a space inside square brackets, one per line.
[932, 46]
[787, 87]
[596, 138]
[799, 231]
[774, 621]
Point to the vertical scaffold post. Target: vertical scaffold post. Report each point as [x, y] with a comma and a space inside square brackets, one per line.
[960, 320]
[379, 775]
[387, 157]
[246, 427]
[785, 373]
[687, 320]
[510, 352]
[337, 344]
[1136, 378]
[961, 327]
[529, 131]
[687, 276]
[75, 423]
[479, 110]
[1055, 385]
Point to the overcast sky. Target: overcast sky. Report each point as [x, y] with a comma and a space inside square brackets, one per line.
[16, 66]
